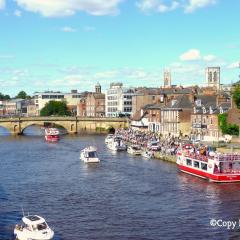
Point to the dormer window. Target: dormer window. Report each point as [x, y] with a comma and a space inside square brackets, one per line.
[204, 110]
[198, 102]
[221, 110]
[210, 110]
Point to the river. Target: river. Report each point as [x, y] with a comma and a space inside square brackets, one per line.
[123, 197]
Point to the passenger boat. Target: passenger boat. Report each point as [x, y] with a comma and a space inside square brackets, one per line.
[89, 155]
[215, 167]
[108, 138]
[134, 150]
[33, 227]
[147, 154]
[51, 134]
[117, 144]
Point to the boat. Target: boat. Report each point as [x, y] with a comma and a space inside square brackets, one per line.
[154, 146]
[215, 167]
[134, 150]
[33, 227]
[89, 155]
[116, 143]
[51, 134]
[147, 154]
[108, 138]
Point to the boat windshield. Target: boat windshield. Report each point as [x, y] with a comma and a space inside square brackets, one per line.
[92, 154]
[41, 226]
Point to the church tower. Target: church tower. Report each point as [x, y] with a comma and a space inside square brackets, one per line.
[167, 79]
[98, 88]
[213, 77]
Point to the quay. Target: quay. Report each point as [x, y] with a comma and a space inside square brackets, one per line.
[72, 125]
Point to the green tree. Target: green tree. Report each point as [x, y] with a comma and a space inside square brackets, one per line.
[23, 95]
[227, 128]
[56, 108]
[4, 97]
[236, 94]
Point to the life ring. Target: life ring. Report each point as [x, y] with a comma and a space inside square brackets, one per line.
[210, 165]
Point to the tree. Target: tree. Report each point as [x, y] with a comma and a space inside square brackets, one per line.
[23, 95]
[236, 95]
[56, 108]
[227, 128]
[4, 97]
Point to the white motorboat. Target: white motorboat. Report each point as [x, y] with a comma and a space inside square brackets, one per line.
[33, 228]
[147, 154]
[134, 150]
[154, 146]
[108, 138]
[117, 144]
[89, 155]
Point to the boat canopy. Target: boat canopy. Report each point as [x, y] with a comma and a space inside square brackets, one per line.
[33, 220]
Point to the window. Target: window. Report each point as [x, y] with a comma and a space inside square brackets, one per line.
[189, 162]
[196, 164]
[204, 166]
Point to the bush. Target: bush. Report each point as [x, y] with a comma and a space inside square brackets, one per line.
[55, 108]
[227, 128]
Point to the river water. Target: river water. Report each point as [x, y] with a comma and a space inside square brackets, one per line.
[123, 197]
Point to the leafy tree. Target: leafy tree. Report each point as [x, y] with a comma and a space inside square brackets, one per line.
[23, 95]
[55, 108]
[227, 128]
[4, 97]
[236, 94]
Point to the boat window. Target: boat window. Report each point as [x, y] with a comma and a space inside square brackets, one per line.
[196, 164]
[41, 226]
[189, 162]
[92, 154]
[204, 166]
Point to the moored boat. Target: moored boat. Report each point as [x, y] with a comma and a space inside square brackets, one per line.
[116, 143]
[108, 138]
[215, 167]
[33, 227]
[134, 150]
[147, 154]
[51, 134]
[89, 155]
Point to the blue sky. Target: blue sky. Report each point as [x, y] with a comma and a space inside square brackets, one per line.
[72, 44]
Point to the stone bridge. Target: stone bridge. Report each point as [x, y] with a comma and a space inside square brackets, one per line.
[71, 124]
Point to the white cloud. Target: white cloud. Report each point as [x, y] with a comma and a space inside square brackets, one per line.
[195, 4]
[191, 55]
[68, 29]
[89, 28]
[2, 4]
[157, 6]
[170, 5]
[209, 58]
[17, 13]
[234, 65]
[56, 8]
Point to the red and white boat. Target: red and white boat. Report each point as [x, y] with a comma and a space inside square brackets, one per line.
[215, 167]
[51, 134]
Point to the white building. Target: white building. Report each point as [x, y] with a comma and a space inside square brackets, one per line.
[72, 99]
[119, 100]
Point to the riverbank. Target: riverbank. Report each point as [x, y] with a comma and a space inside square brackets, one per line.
[165, 157]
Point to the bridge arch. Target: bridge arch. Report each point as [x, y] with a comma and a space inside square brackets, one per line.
[26, 125]
[4, 131]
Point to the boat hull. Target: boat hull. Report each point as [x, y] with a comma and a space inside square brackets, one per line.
[224, 178]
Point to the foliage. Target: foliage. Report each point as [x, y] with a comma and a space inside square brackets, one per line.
[55, 108]
[227, 128]
[236, 94]
[4, 97]
[23, 95]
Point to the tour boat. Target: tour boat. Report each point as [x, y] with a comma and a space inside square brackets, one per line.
[147, 154]
[134, 150]
[33, 228]
[116, 144]
[108, 138]
[89, 155]
[51, 134]
[215, 167]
